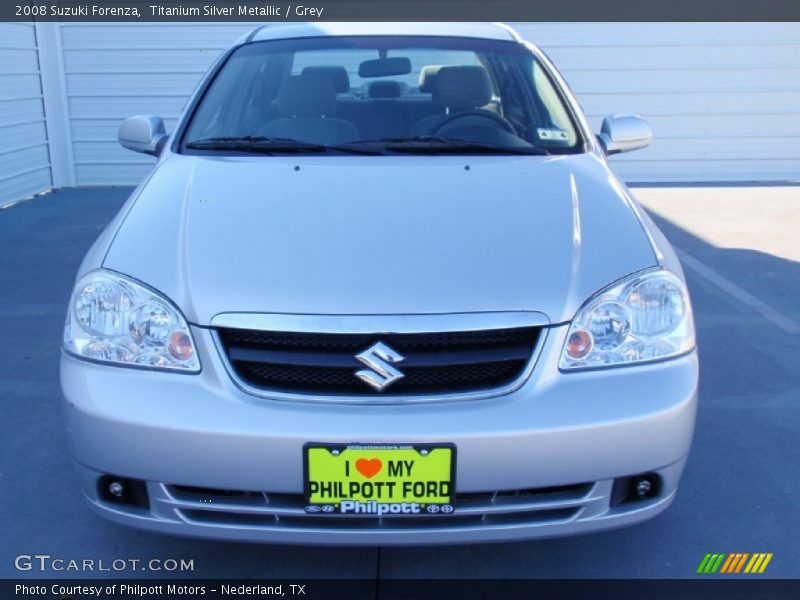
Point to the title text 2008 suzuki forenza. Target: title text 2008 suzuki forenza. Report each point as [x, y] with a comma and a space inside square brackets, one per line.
[381, 287]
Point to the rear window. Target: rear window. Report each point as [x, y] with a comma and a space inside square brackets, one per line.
[351, 58]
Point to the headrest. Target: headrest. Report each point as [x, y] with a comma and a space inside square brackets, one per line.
[462, 87]
[307, 96]
[385, 89]
[338, 76]
[427, 76]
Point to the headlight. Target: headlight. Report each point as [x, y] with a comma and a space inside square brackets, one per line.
[113, 319]
[645, 317]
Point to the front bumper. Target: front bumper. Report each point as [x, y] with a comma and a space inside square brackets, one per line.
[581, 430]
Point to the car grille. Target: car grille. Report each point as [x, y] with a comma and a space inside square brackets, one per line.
[264, 510]
[433, 363]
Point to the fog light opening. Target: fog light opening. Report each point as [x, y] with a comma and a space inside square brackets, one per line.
[635, 489]
[123, 490]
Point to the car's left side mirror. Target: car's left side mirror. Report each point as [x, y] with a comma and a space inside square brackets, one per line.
[623, 133]
[143, 133]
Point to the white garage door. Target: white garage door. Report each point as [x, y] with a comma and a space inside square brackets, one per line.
[24, 157]
[723, 99]
[115, 70]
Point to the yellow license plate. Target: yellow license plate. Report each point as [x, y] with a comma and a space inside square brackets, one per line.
[380, 479]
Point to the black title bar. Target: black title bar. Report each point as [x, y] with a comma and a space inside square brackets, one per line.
[403, 589]
[399, 10]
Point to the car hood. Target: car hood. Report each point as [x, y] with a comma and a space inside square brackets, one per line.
[342, 235]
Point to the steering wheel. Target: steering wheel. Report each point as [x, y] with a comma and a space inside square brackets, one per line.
[476, 112]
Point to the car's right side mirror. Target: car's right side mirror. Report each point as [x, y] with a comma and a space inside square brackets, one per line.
[623, 133]
[142, 133]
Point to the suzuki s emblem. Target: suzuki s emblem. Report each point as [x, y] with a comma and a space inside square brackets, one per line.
[379, 359]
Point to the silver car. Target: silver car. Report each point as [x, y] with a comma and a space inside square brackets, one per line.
[381, 287]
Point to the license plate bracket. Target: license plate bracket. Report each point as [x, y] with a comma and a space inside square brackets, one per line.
[380, 480]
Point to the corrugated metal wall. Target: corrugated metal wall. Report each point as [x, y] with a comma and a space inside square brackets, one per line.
[723, 98]
[115, 70]
[24, 157]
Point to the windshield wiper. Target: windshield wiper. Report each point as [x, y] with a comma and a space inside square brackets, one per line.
[425, 144]
[269, 145]
[431, 144]
[259, 144]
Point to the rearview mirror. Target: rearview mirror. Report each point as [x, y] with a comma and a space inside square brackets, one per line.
[623, 133]
[384, 67]
[142, 133]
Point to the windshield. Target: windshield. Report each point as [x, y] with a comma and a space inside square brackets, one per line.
[381, 95]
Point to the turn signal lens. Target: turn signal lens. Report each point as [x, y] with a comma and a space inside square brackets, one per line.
[180, 346]
[579, 344]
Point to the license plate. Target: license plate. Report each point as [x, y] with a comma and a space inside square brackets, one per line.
[380, 479]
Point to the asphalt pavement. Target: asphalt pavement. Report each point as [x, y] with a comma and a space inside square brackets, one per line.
[739, 492]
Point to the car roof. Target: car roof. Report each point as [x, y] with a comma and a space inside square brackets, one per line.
[281, 31]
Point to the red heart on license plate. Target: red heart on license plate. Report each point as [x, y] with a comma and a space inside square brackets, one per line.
[369, 467]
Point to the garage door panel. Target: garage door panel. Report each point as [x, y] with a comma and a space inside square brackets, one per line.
[180, 84]
[24, 156]
[20, 111]
[20, 86]
[124, 106]
[666, 57]
[775, 125]
[739, 149]
[17, 35]
[780, 125]
[99, 152]
[104, 130]
[23, 160]
[633, 170]
[677, 81]
[139, 61]
[24, 134]
[550, 35]
[19, 61]
[127, 35]
[15, 187]
[694, 104]
[112, 173]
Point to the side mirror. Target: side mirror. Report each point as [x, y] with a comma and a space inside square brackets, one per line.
[143, 134]
[623, 133]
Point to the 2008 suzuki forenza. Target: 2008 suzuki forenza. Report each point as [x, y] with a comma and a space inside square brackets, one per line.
[381, 287]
